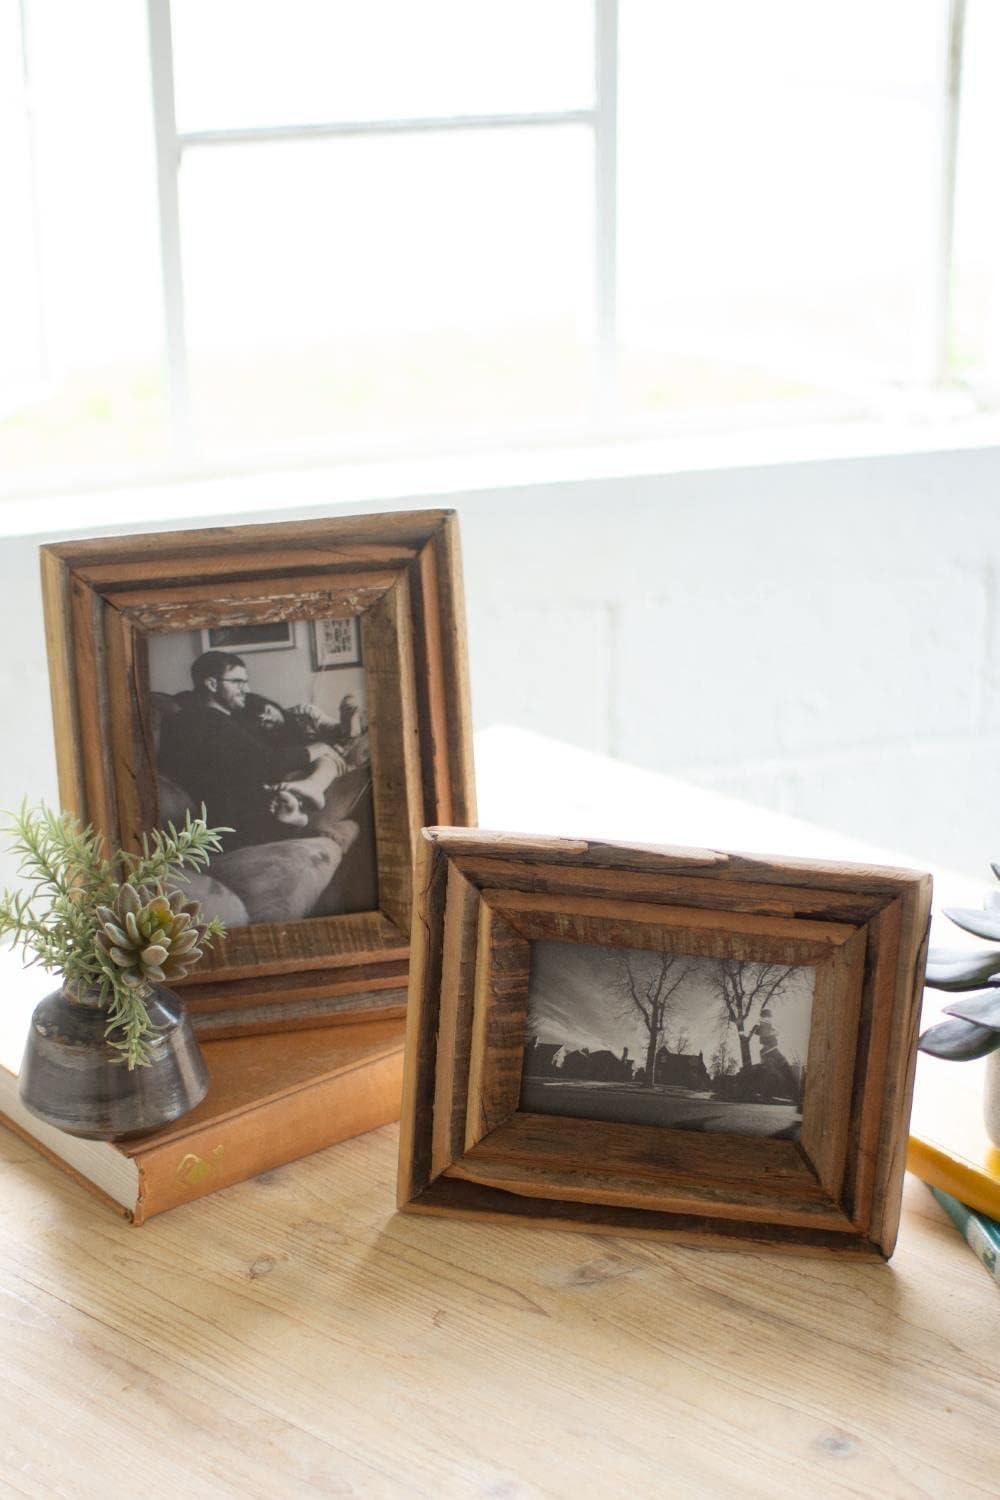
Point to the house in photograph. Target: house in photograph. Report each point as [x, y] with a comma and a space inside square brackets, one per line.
[543, 1059]
[683, 1069]
[602, 1066]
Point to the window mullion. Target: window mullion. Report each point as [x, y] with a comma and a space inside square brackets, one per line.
[937, 323]
[168, 157]
[606, 206]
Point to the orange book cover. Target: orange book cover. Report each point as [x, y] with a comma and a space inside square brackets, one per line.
[948, 1146]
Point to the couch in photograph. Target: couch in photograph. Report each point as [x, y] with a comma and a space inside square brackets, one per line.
[289, 878]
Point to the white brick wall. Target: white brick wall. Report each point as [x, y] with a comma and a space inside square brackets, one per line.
[823, 638]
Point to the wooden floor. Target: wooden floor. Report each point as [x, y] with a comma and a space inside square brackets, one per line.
[294, 1336]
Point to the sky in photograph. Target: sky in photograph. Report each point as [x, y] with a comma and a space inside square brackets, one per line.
[575, 998]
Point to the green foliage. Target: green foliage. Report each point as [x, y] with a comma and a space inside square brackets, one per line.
[73, 888]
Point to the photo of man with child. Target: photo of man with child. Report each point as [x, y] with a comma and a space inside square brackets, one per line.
[274, 750]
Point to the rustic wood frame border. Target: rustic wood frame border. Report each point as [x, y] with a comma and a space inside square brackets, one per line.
[466, 1147]
[401, 574]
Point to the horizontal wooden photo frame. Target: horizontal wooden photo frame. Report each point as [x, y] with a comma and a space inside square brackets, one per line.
[773, 1007]
[326, 760]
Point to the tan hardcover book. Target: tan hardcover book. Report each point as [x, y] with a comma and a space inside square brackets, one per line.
[271, 1100]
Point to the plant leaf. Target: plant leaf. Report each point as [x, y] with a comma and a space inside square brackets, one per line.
[982, 923]
[962, 968]
[959, 1041]
[128, 899]
[981, 1006]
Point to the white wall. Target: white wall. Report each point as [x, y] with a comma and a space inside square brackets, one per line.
[823, 638]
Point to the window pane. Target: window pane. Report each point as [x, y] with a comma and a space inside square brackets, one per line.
[777, 207]
[98, 400]
[20, 342]
[975, 346]
[273, 62]
[439, 282]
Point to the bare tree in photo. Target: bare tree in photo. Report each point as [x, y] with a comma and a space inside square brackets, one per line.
[678, 1040]
[722, 1063]
[745, 989]
[647, 991]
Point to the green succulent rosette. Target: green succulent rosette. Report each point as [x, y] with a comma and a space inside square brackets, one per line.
[151, 936]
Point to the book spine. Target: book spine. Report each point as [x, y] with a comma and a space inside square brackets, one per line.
[981, 1234]
[962, 1180]
[268, 1136]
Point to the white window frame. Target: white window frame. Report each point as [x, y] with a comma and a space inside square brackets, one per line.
[930, 385]
[172, 145]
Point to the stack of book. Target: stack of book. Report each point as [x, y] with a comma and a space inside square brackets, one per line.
[271, 1100]
[950, 1150]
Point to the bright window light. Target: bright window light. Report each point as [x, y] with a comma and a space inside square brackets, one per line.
[244, 232]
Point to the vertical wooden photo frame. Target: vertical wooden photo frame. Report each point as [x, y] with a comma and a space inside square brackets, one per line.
[325, 760]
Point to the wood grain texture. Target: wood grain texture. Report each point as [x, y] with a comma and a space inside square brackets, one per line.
[316, 985]
[407, 529]
[638, 1166]
[292, 1337]
[831, 1062]
[499, 1015]
[266, 950]
[430, 885]
[899, 1060]
[232, 565]
[766, 868]
[55, 578]
[454, 1027]
[400, 573]
[243, 601]
[395, 748]
[675, 929]
[714, 891]
[839, 1178]
[443, 675]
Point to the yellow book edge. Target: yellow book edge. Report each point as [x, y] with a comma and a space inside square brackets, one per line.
[948, 1145]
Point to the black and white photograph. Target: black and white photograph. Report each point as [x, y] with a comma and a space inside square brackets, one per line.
[279, 753]
[657, 1038]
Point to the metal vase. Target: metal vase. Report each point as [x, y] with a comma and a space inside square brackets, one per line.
[72, 1078]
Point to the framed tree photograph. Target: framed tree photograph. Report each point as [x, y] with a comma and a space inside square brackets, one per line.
[712, 1046]
[190, 669]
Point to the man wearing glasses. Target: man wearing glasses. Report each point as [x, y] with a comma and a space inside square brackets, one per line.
[262, 791]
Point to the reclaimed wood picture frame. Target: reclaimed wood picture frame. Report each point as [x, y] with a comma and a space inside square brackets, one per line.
[319, 918]
[512, 934]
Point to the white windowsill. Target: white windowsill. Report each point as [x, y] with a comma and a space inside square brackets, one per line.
[330, 486]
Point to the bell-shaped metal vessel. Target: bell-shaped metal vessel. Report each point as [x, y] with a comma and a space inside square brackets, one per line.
[72, 1078]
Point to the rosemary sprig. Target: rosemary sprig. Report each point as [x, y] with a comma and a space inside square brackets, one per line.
[56, 920]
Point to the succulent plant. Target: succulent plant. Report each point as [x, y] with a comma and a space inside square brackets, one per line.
[973, 1027]
[151, 935]
[110, 926]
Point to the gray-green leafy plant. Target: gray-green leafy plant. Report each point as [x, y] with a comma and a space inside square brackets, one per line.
[973, 1027]
[111, 927]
